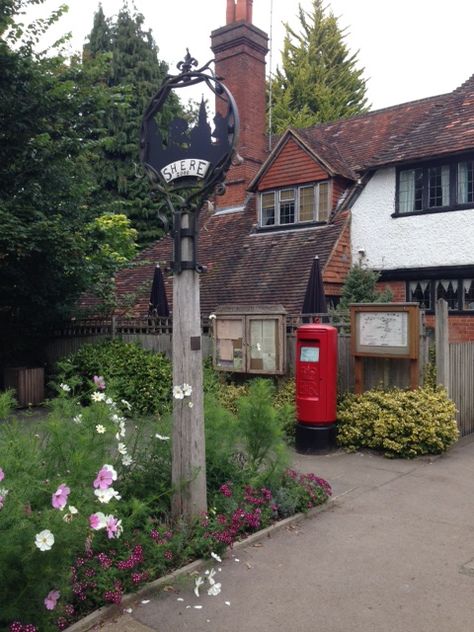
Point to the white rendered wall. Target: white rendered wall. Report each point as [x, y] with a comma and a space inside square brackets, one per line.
[418, 241]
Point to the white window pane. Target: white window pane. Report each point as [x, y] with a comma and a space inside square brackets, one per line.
[406, 202]
[306, 204]
[324, 205]
[268, 208]
[468, 294]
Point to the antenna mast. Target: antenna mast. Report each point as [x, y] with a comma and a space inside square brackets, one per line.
[270, 87]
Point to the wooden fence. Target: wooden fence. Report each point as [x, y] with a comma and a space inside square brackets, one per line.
[461, 384]
[154, 334]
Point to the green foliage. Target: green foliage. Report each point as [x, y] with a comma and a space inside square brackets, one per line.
[399, 423]
[224, 460]
[360, 286]
[319, 80]
[7, 404]
[141, 377]
[260, 427]
[284, 402]
[132, 74]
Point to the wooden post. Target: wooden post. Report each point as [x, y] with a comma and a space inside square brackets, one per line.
[189, 461]
[442, 343]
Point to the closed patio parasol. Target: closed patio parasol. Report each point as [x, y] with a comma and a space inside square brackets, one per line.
[158, 302]
[314, 299]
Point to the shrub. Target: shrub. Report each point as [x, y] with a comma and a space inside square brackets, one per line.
[397, 422]
[7, 404]
[284, 402]
[261, 432]
[139, 376]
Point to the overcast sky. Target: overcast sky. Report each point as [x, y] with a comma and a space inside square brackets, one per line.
[410, 49]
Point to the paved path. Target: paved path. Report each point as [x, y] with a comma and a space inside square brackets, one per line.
[393, 553]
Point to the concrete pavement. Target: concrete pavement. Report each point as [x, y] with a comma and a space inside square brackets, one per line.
[393, 552]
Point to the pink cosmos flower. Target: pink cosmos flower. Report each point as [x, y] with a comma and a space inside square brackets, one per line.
[52, 599]
[99, 382]
[97, 521]
[106, 476]
[2, 474]
[59, 498]
[113, 526]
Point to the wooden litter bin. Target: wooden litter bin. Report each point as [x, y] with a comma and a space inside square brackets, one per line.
[27, 383]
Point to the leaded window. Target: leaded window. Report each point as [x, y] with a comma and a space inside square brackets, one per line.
[309, 203]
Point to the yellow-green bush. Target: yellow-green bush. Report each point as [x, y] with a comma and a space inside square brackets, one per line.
[397, 422]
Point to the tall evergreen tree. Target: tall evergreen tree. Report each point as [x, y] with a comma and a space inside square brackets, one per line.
[133, 74]
[319, 80]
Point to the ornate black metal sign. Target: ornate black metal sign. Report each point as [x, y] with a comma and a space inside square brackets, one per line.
[190, 157]
[188, 163]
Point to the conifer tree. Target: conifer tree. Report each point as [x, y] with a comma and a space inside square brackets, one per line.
[319, 80]
[360, 286]
[133, 74]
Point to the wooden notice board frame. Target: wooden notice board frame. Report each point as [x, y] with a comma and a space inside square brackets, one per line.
[385, 330]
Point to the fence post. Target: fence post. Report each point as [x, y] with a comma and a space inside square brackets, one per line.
[114, 327]
[442, 343]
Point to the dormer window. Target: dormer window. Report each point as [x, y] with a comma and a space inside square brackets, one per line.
[296, 205]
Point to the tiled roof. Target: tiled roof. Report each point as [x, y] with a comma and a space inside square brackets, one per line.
[448, 128]
[353, 144]
[243, 266]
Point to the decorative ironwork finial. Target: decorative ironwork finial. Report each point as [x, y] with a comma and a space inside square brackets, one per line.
[188, 62]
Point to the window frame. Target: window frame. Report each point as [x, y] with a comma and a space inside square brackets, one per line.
[433, 292]
[277, 193]
[453, 179]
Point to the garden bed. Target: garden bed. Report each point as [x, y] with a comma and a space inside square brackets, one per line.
[85, 502]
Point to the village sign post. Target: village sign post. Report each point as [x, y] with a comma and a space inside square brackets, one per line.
[187, 164]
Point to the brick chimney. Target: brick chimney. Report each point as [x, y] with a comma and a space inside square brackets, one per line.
[239, 50]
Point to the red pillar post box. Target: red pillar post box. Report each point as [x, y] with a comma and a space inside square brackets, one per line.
[316, 387]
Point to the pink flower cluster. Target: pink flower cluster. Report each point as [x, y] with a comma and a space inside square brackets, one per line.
[60, 496]
[105, 477]
[99, 382]
[51, 599]
[135, 558]
[16, 626]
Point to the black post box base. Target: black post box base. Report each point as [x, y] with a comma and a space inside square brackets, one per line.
[314, 439]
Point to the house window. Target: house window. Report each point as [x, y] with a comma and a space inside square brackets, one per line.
[466, 182]
[420, 292]
[458, 293]
[448, 289]
[468, 294]
[435, 187]
[287, 206]
[296, 205]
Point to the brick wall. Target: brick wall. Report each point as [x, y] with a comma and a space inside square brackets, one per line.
[240, 49]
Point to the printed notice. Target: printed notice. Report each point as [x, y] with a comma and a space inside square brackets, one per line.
[383, 329]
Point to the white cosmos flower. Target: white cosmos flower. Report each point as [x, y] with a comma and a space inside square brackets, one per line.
[161, 437]
[210, 577]
[66, 388]
[198, 582]
[77, 419]
[178, 392]
[44, 540]
[122, 448]
[109, 401]
[216, 557]
[106, 495]
[212, 316]
[100, 428]
[126, 404]
[187, 390]
[98, 397]
[214, 590]
[127, 460]
[70, 514]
